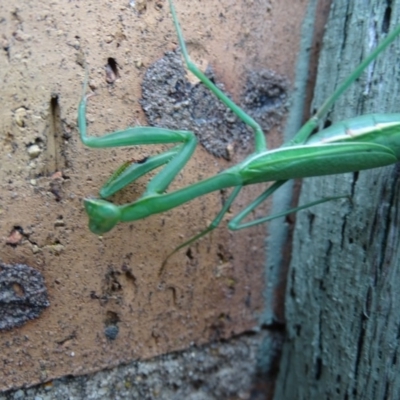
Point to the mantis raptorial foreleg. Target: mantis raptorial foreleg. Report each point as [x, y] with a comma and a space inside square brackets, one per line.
[363, 142]
[130, 171]
[174, 160]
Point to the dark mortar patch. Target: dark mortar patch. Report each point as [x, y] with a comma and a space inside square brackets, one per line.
[23, 295]
[169, 100]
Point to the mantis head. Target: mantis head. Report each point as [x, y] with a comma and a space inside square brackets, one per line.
[103, 215]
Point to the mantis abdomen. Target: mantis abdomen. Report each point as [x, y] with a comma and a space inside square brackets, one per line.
[364, 142]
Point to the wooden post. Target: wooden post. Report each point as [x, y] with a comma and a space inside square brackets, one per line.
[343, 294]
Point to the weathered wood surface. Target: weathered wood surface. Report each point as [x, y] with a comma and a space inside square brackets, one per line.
[343, 294]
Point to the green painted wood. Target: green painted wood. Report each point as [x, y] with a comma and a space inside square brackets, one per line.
[343, 291]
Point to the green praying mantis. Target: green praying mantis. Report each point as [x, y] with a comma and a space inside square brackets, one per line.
[364, 142]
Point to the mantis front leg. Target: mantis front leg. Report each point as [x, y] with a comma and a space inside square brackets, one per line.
[103, 216]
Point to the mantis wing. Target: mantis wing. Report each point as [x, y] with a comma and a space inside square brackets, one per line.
[316, 160]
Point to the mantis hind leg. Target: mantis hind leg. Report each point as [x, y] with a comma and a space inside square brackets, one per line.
[236, 222]
[307, 129]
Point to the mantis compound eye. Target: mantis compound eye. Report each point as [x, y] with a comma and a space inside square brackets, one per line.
[103, 215]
